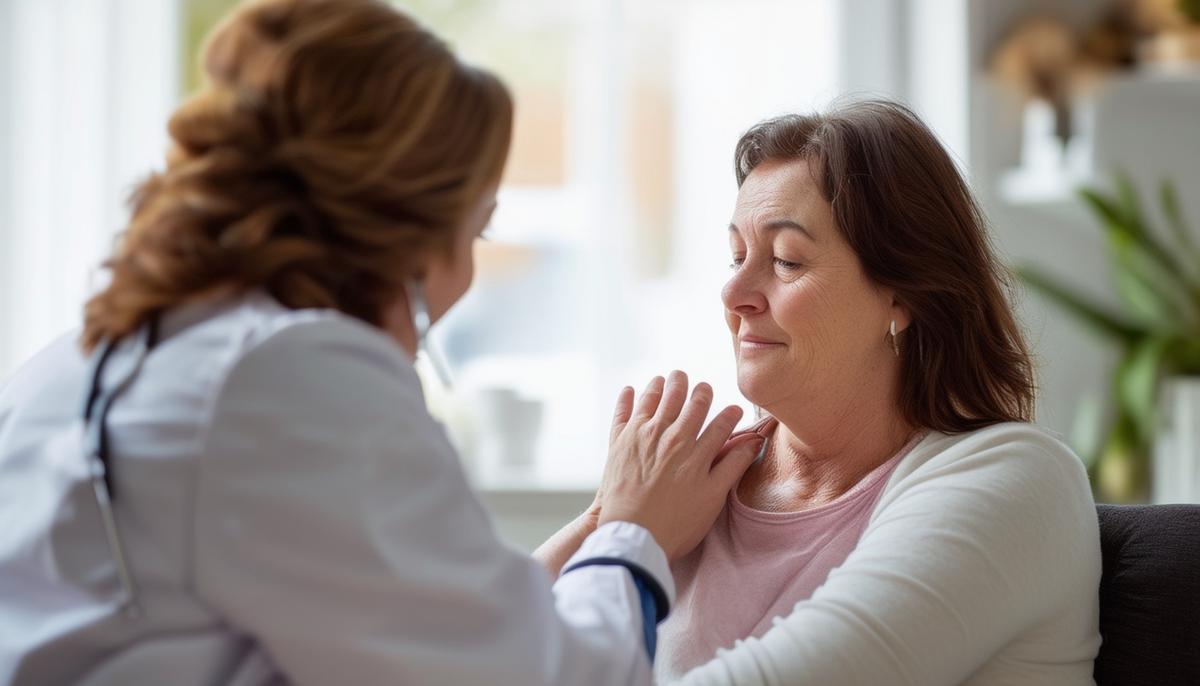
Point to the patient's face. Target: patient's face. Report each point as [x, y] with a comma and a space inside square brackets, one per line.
[808, 326]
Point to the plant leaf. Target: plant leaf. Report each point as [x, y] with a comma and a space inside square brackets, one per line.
[1169, 200]
[1151, 283]
[1125, 220]
[1106, 210]
[1130, 202]
[1096, 317]
[1137, 380]
[1149, 299]
[1087, 427]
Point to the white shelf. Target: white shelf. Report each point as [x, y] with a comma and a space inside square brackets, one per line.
[1041, 189]
[1142, 123]
[1056, 197]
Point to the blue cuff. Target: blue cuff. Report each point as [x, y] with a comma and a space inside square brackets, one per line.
[653, 599]
[649, 614]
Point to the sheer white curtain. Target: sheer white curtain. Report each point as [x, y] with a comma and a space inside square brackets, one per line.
[86, 86]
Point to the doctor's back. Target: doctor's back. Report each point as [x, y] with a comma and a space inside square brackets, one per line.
[237, 395]
[228, 475]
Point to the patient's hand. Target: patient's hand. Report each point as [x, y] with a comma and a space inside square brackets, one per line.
[559, 548]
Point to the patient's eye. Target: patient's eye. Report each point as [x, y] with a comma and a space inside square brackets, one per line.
[737, 262]
[786, 265]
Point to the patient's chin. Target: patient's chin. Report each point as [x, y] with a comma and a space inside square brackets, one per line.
[755, 384]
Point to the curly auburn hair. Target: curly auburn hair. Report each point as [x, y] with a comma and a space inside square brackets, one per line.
[335, 147]
[904, 208]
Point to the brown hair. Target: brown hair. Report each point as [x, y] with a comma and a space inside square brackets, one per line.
[902, 205]
[334, 146]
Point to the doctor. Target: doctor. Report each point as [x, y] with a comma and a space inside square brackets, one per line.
[230, 477]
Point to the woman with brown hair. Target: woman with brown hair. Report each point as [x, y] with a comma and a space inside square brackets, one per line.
[907, 524]
[254, 491]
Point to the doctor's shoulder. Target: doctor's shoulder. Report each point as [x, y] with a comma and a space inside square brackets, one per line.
[323, 352]
[314, 369]
[59, 363]
[319, 404]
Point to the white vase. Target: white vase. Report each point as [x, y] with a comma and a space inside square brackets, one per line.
[1176, 476]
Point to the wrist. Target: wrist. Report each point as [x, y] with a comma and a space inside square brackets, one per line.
[589, 521]
[591, 516]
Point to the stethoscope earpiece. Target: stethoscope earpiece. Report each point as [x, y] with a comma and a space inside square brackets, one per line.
[418, 307]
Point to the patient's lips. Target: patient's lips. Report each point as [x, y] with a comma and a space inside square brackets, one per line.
[749, 343]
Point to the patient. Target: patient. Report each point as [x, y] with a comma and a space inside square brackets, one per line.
[906, 524]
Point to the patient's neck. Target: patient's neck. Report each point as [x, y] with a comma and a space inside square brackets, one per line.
[813, 459]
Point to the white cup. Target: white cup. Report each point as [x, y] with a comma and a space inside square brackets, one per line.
[508, 426]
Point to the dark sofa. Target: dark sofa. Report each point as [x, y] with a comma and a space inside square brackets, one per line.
[1149, 595]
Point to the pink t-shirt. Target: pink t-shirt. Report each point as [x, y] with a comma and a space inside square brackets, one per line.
[753, 566]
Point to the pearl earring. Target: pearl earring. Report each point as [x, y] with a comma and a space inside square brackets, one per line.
[895, 346]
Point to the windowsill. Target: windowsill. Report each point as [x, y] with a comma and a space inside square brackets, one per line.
[521, 481]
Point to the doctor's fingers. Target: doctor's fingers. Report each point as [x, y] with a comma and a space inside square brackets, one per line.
[691, 420]
[648, 403]
[735, 459]
[622, 413]
[718, 431]
[674, 395]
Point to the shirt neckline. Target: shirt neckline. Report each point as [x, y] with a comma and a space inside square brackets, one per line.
[880, 473]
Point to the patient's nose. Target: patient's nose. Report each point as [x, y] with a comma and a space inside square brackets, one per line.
[741, 296]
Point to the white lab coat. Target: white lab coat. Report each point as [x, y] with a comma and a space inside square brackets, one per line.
[291, 513]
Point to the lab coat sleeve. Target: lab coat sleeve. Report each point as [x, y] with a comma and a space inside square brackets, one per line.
[957, 563]
[334, 526]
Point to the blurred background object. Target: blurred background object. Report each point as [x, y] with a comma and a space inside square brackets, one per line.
[1176, 43]
[1113, 97]
[608, 252]
[1158, 334]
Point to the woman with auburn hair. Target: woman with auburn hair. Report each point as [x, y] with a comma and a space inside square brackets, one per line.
[906, 524]
[236, 480]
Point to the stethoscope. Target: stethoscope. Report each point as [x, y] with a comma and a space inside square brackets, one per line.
[96, 406]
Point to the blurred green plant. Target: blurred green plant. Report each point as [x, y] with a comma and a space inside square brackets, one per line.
[1190, 9]
[1157, 329]
[199, 17]
[481, 30]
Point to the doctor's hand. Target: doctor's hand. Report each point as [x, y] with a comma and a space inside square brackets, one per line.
[666, 470]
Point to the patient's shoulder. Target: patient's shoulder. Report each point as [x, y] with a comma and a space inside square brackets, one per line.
[1012, 493]
[1010, 445]
[1008, 466]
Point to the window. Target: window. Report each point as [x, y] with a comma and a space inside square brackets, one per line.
[609, 246]
[608, 250]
